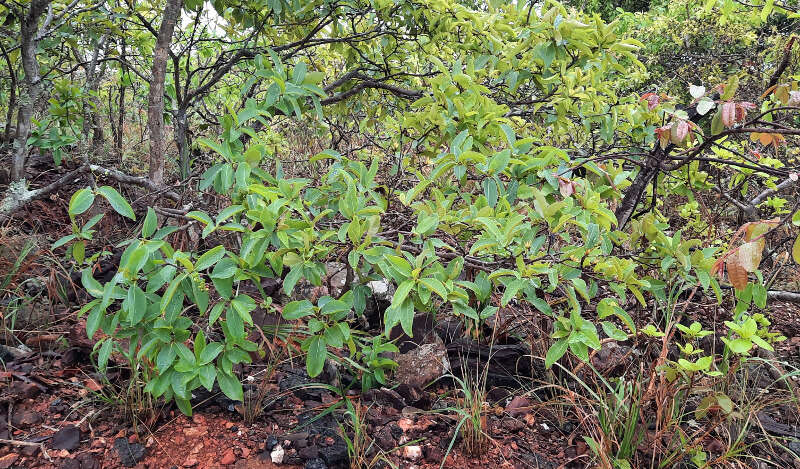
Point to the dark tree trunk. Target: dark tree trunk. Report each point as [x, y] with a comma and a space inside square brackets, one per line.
[31, 88]
[181, 140]
[155, 101]
[12, 98]
[648, 173]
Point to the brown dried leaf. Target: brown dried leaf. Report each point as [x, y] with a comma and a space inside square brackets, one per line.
[736, 273]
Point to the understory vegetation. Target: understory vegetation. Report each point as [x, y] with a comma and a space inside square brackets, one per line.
[217, 191]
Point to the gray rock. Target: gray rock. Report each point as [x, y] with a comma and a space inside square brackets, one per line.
[67, 438]
[423, 364]
[382, 290]
[315, 463]
[129, 453]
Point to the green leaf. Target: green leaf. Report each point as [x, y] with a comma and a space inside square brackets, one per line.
[91, 285]
[63, 241]
[224, 268]
[292, 278]
[93, 321]
[184, 405]
[210, 352]
[796, 250]
[613, 331]
[243, 305]
[738, 346]
[81, 201]
[297, 309]
[171, 290]
[165, 358]
[230, 386]
[103, 354]
[79, 251]
[210, 257]
[402, 292]
[435, 285]
[427, 223]
[150, 223]
[215, 313]
[555, 352]
[202, 217]
[317, 352]
[118, 203]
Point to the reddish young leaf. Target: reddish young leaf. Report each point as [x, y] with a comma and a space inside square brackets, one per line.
[663, 134]
[742, 108]
[566, 187]
[681, 131]
[652, 100]
[729, 114]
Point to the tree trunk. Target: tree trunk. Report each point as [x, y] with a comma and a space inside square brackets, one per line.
[647, 174]
[12, 99]
[31, 88]
[155, 100]
[91, 119]
[120, 123]
[181, 130]
[121, 108]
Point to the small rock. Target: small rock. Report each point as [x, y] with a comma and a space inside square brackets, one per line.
[9, 354]
[385, 397]
[191, 461]
[384, 439]
[88, 461]
[309, 452]
[315, 463]
[29, 450]
[194, 432]
[423, 364]
[512, 425]
[412, 452]
[382, 290]
[433, 454]
[67, 438]
[70, 463]
[518, 406]
[129, 454]
[7, 460]
[26, 418]
[228, 458]
[22, 390]
[405, 424]
[276, 455]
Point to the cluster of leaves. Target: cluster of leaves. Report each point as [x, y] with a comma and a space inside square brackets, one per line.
[492, 187]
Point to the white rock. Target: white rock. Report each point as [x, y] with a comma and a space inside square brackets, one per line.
[277, 454]
[412, 453]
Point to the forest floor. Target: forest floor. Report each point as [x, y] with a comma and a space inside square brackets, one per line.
[57, 412]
